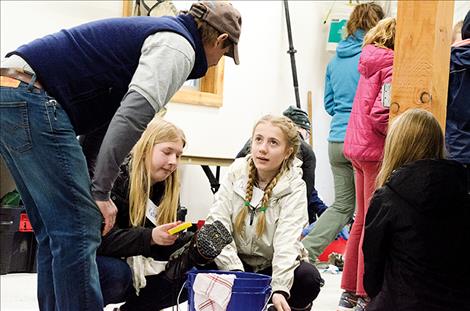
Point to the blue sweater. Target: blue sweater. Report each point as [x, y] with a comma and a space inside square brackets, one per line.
[340, 84]
[458, 105]
[88, 68]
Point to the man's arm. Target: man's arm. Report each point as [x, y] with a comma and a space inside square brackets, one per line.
[164, 65]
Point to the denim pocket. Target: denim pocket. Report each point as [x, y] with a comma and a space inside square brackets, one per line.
[14, 128]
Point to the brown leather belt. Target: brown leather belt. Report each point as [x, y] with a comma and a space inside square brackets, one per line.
[20, 75]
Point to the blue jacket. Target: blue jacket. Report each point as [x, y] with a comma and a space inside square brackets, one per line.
[458, 105]
[88, 68]
[340, 84]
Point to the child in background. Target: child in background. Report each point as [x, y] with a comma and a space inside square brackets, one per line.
[417, 223]
[363, 145]
[340, 87]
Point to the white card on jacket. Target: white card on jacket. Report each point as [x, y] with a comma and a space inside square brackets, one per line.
[257, 196]
[151, 212]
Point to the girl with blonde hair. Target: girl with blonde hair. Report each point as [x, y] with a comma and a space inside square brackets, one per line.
[418, 215]
[363, 146]
[146, 194]
[262, 200]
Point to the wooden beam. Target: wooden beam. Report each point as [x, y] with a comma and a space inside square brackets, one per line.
[422, 53]
[127, 7]
[200, 160]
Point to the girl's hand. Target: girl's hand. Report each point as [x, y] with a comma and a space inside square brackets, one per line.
[280, 302]
[160, 235]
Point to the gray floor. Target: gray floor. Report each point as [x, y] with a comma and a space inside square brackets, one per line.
[18, 293]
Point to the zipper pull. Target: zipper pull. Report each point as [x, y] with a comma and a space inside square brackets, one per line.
[252, 215]
[54, 106]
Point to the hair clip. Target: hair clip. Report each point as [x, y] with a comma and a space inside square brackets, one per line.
[247, 203]
[263, 209]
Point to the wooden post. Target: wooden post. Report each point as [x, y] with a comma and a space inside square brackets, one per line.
[127, 7]
[422, 54]
[309, 112]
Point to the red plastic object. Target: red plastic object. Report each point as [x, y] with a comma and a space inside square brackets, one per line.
[200, 223]
[25, 225]
[337, 246]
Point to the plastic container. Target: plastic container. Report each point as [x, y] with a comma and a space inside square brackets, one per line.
[17, 241]
[250, 291]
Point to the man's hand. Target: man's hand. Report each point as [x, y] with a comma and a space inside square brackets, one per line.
[109, 211]
[280, 302]
[160, 235]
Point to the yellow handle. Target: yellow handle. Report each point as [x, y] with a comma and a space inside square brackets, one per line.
[179, 228]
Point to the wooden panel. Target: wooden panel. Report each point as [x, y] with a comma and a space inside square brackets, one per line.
[215, 85]
[193, 97]
[422, 53]
[309, 112]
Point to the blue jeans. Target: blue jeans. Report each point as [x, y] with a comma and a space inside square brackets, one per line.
[39, 146]
[115, 279]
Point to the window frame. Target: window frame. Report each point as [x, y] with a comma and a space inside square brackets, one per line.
[211, 88]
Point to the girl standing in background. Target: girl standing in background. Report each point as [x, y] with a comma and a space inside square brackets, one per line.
[363, 145]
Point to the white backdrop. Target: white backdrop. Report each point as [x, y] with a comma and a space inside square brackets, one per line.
[261, 84]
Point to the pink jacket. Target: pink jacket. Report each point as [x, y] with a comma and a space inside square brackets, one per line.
[367, 127]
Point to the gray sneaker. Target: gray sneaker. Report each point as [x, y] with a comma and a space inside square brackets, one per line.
[347, 302]
[362, 303]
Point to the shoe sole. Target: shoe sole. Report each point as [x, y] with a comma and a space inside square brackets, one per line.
[212, 238]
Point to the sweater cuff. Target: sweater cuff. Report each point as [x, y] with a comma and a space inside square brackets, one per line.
[147, 242]
[284, 290]
[100, 196]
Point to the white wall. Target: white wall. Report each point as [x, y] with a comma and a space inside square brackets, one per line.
[261, 84]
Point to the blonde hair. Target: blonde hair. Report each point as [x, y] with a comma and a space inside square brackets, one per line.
[413, 136]
[383, 34]
[292, 137]
[158, 131]
[364, 16]
[457, 31]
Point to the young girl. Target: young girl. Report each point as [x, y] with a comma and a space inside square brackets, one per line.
[262, 201]
[340, 86]
[363, 145]
[147, 201]
[417, 221]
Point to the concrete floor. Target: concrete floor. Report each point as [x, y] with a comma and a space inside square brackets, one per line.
[18, 293]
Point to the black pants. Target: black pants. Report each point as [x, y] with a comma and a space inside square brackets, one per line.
[158, 294]
[306, 287]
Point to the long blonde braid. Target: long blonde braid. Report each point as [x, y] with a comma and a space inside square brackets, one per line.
[240, 220]
[261, 224]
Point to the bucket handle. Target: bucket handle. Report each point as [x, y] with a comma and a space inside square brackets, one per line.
[265, 307]
[179, 294]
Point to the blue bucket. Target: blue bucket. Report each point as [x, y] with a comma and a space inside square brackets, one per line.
[250, 291]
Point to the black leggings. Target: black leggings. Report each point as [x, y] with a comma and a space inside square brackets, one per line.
[157, 295]
[306, 287]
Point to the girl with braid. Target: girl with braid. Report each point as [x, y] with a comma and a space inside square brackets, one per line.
[262, 202]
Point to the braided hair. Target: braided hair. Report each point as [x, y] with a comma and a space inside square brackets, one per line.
[293, 141]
